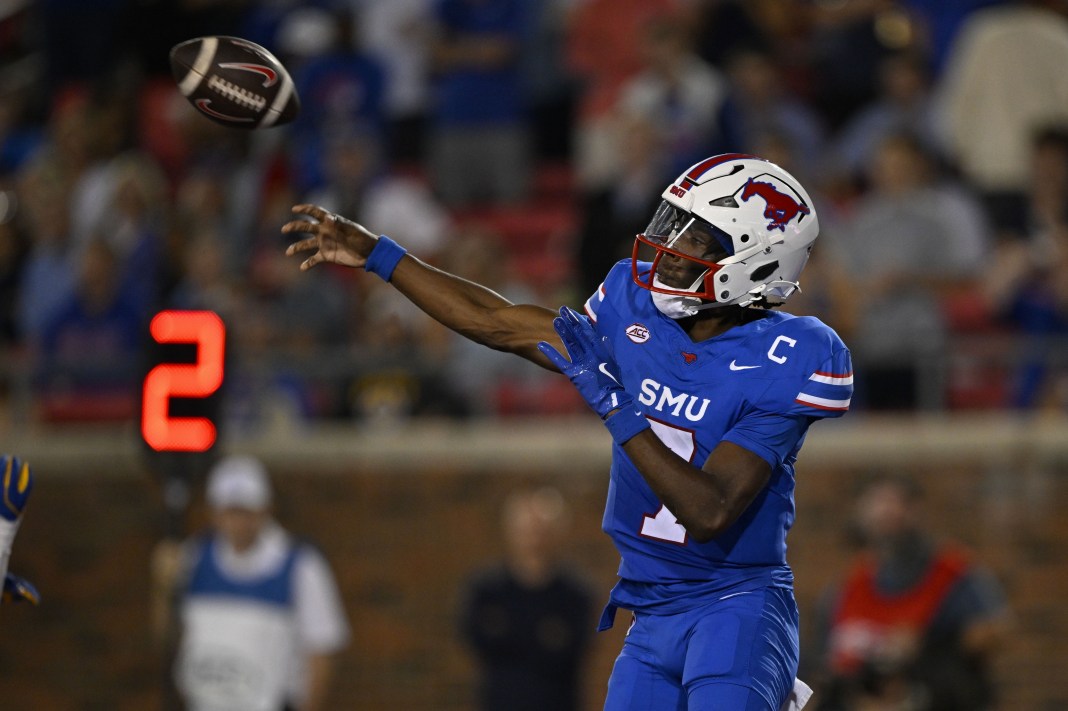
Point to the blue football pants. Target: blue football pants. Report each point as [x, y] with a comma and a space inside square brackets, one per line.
[739, 653]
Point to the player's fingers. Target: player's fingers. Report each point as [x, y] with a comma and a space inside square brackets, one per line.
[302, 246]
[593, 345]
[308, 226]
[581, 324]
[562, 328]
[573, 345]
[554, 356]
[313, 211]
[576, 323]
[582, 330]
[311, 261]
[570, 314]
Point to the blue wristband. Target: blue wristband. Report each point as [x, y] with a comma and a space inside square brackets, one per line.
[384, 258]
[625, 424]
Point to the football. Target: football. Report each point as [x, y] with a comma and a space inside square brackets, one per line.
[234, 82]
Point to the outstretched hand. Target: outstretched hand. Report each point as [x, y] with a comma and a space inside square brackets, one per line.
[334, 239]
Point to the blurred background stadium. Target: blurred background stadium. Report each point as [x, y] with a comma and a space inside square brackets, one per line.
[932, 135]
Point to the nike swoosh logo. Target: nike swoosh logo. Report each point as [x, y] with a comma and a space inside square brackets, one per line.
[742, 367]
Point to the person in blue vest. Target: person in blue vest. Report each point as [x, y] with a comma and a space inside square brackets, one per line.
[260, 617]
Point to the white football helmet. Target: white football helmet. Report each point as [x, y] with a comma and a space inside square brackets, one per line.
[746, 226]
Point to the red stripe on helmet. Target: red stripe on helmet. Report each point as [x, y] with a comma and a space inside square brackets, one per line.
[708, 164]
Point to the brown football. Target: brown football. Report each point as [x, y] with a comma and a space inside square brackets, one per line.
[234, 82]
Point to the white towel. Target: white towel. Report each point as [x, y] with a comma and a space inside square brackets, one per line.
[798, 697]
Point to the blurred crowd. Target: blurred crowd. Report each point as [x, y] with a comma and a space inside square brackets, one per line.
[523, 144]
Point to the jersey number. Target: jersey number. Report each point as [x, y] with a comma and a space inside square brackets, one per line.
[664, 526]
[161, 431]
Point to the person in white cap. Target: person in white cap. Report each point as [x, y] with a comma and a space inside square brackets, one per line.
[260, 617]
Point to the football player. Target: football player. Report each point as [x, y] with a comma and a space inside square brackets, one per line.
[708, 394]
[16, 482]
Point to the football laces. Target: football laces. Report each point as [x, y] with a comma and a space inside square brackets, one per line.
[238, 95]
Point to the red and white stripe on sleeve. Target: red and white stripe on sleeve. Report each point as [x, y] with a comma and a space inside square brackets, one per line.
[594, 302]
[829, 390]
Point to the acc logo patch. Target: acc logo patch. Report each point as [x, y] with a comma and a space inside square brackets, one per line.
[637, 333]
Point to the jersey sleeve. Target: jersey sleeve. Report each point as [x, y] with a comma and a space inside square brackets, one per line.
[772, 436]
[780, 419]
[815, 379]
[593, 304]
[816, 382]
[828, 390]
[615, 282]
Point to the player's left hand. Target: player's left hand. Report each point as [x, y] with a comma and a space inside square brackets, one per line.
[18, 589]
[591, 368]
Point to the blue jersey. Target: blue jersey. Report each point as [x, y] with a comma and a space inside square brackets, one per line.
[759, 385]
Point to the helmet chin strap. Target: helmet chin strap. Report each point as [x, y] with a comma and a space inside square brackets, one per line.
[676, 307]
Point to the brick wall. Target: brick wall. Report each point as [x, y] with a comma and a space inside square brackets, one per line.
[402, 543]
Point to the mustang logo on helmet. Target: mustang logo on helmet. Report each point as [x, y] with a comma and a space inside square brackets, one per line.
[781, 209]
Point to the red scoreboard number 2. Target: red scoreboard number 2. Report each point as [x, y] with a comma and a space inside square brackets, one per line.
[200, 379]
